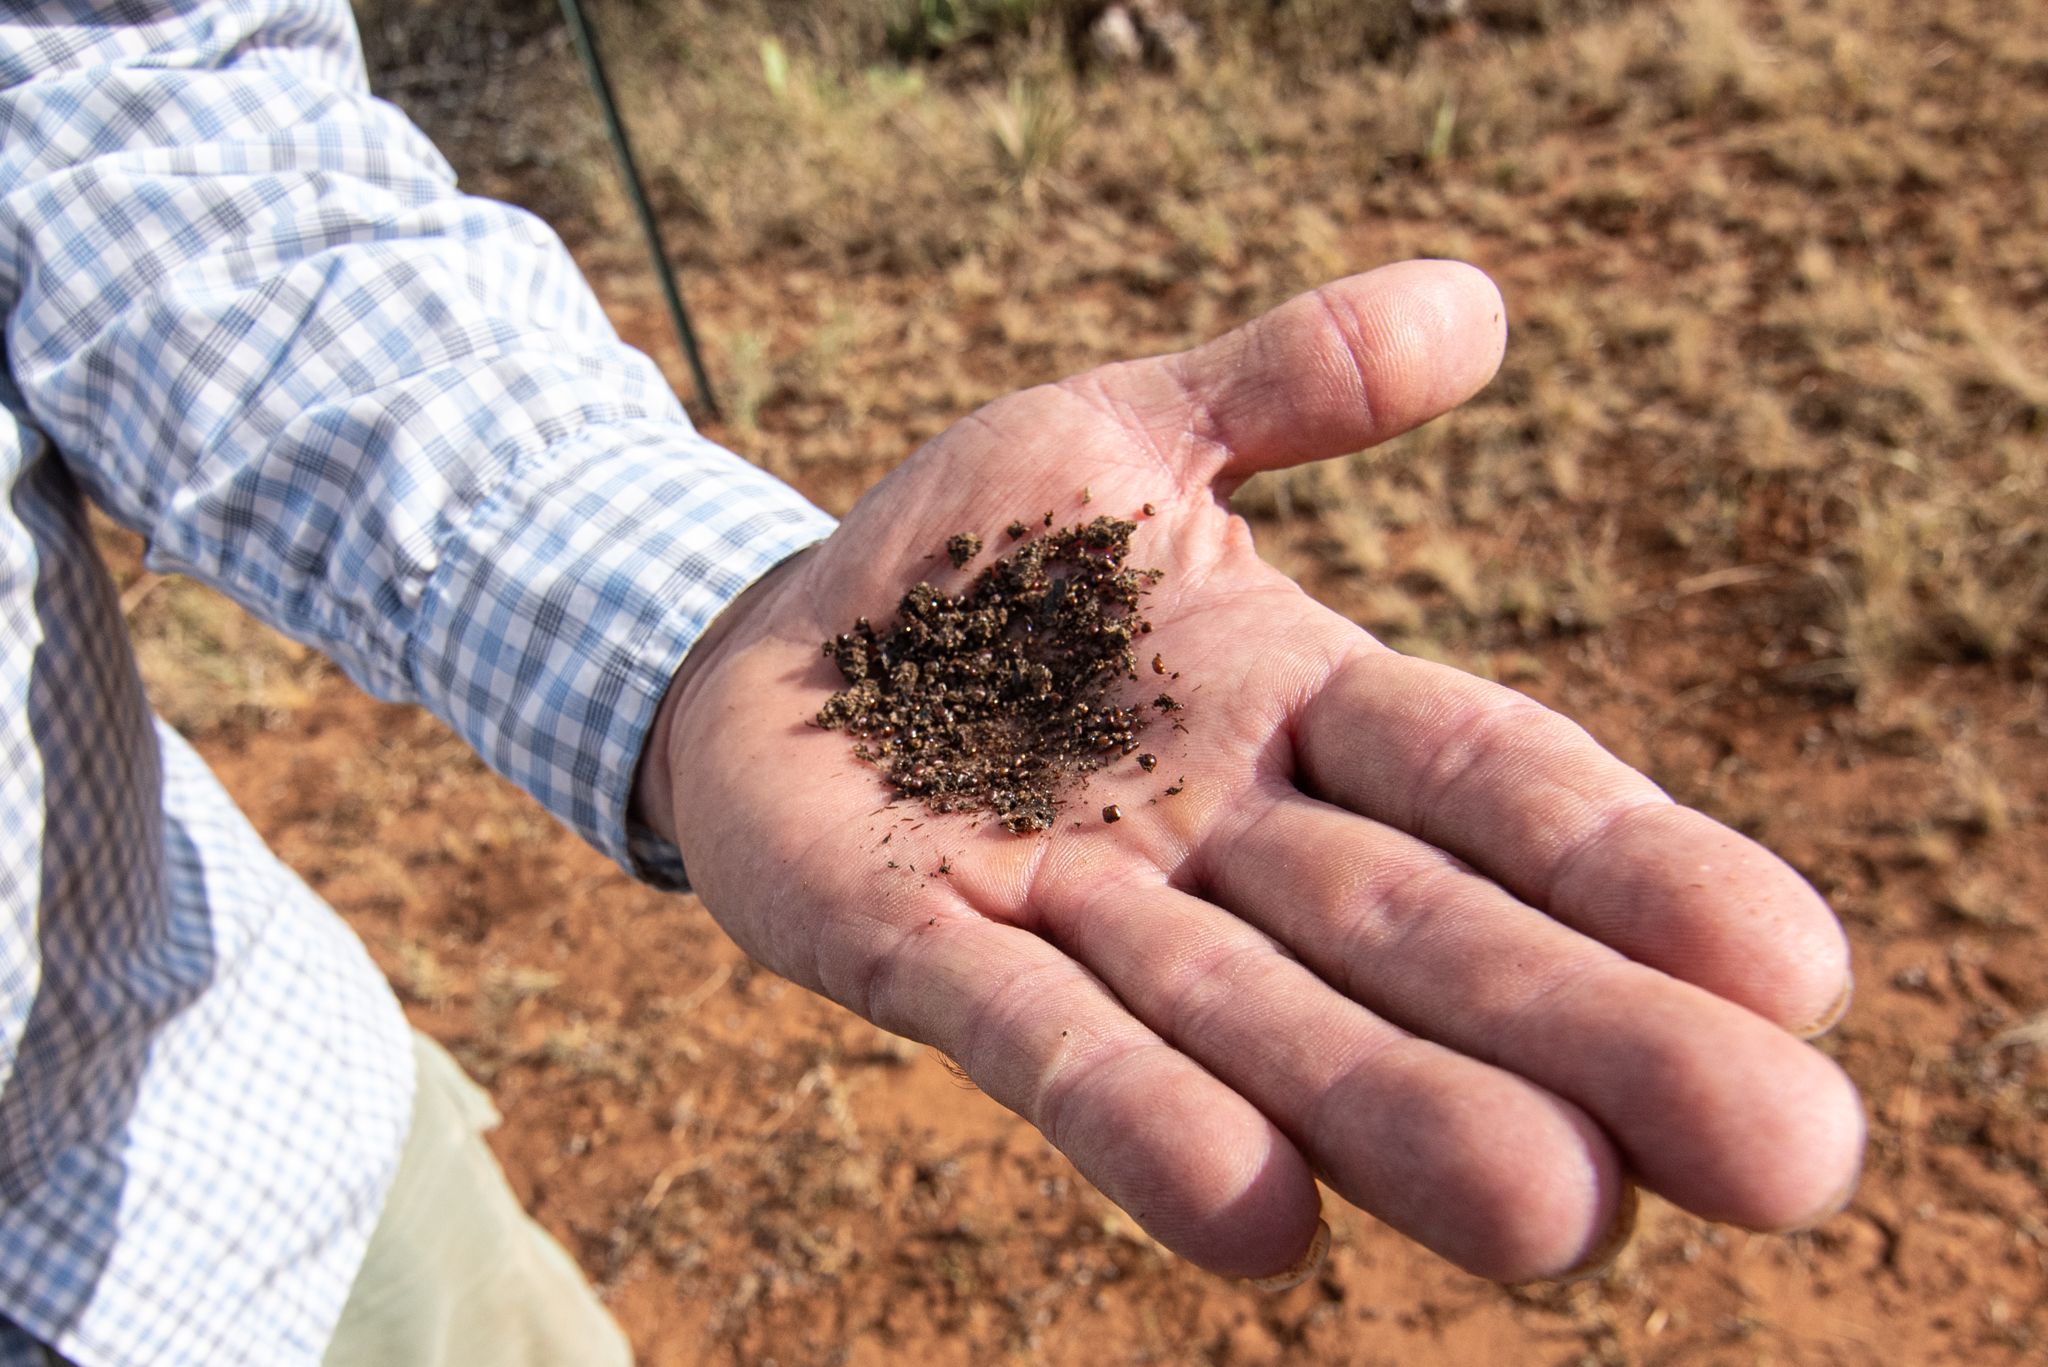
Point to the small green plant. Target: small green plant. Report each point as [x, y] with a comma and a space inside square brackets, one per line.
[775, 67]
[931, 28]
[752, 378]
[1443, 131]
[1029, 127]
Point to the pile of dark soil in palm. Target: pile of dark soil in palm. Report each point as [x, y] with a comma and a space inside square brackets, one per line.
[1002, 698]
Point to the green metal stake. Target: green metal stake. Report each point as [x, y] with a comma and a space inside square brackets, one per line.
[586, 46]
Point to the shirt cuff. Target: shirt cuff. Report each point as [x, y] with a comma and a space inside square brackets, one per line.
[559, 613]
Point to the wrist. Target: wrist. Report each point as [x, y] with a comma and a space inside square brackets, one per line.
[653, 804]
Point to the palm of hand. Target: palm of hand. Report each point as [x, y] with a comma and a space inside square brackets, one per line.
[1403, 930]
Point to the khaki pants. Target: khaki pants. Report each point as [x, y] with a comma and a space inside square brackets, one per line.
[457, 1273]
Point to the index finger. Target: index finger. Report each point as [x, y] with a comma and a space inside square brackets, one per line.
[1536, 804]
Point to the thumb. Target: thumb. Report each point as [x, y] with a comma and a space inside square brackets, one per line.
[1341, 368]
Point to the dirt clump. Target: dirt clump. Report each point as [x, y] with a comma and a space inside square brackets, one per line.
[962, 547]
[1002, 698]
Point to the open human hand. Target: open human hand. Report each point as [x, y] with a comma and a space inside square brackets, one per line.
[1403, 930]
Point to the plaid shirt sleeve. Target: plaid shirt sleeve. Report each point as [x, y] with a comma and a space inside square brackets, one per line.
[248, 304]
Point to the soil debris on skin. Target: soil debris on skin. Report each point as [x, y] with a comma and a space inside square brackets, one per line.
[962, 547]
[1003, 698]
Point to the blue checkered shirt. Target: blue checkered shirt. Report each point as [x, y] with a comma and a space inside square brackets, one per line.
[248, 314]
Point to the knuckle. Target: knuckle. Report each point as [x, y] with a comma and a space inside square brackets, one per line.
[1210, 987]
[1400, 899]
[1472, 745]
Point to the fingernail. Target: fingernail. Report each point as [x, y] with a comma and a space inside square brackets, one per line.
[1834, 1013]
[1619, 1232]
[1310, 1263]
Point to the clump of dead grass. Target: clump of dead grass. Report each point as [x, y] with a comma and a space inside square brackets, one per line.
[1933, 570]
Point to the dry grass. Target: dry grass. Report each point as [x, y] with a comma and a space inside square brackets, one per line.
[1000, 175]
[209, 667]
[1773, 271]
